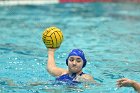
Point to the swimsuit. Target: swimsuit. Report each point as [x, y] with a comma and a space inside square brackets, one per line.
[69, 78]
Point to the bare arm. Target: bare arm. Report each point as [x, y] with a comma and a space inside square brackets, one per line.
[136, 86]
[124, 82]
[51, 66]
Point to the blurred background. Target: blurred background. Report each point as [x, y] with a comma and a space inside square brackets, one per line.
[106, 30]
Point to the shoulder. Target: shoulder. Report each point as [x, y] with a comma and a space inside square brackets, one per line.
[87, 77]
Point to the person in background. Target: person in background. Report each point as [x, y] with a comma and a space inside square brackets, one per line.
[125, 82]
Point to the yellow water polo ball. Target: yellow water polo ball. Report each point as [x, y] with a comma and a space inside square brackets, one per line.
[52, 37]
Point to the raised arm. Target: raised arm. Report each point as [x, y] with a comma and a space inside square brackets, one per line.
[51, 65]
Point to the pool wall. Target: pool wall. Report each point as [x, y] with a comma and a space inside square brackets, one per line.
[38, 2]
[99, 1]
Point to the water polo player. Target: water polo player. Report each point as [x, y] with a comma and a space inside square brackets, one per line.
[75, 61]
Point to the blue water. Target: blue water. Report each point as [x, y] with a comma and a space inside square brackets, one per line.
[108, 33]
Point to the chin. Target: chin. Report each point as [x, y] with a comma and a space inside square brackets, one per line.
[74, 71]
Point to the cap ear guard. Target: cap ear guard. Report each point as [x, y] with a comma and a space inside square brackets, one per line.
[77, 52]
[84, 64]
[67, 61]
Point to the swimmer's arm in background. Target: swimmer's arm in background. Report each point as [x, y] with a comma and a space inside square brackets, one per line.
[51, 65]
[136, 86]
[125, 82]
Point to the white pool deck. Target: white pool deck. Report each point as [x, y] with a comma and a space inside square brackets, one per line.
[27, 2]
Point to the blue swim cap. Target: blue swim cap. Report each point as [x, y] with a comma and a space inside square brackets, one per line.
[77, 52]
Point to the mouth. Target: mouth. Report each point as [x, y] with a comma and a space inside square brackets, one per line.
[74, 68]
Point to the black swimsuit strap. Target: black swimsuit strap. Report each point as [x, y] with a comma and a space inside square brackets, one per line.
[74, 74]
[81, 74]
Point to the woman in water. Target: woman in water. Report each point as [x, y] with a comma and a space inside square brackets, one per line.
[75, 61]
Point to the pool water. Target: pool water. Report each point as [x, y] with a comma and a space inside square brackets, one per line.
[108, 33]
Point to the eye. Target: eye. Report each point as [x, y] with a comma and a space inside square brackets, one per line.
[78, 59]
[71, 59]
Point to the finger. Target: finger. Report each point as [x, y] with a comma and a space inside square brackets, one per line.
[119, 85]
[121, 80]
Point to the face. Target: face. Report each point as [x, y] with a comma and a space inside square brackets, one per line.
[75, 64]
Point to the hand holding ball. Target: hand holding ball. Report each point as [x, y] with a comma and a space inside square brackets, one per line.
[52, 37]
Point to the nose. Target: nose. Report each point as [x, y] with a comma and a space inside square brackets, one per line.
[74, 62]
